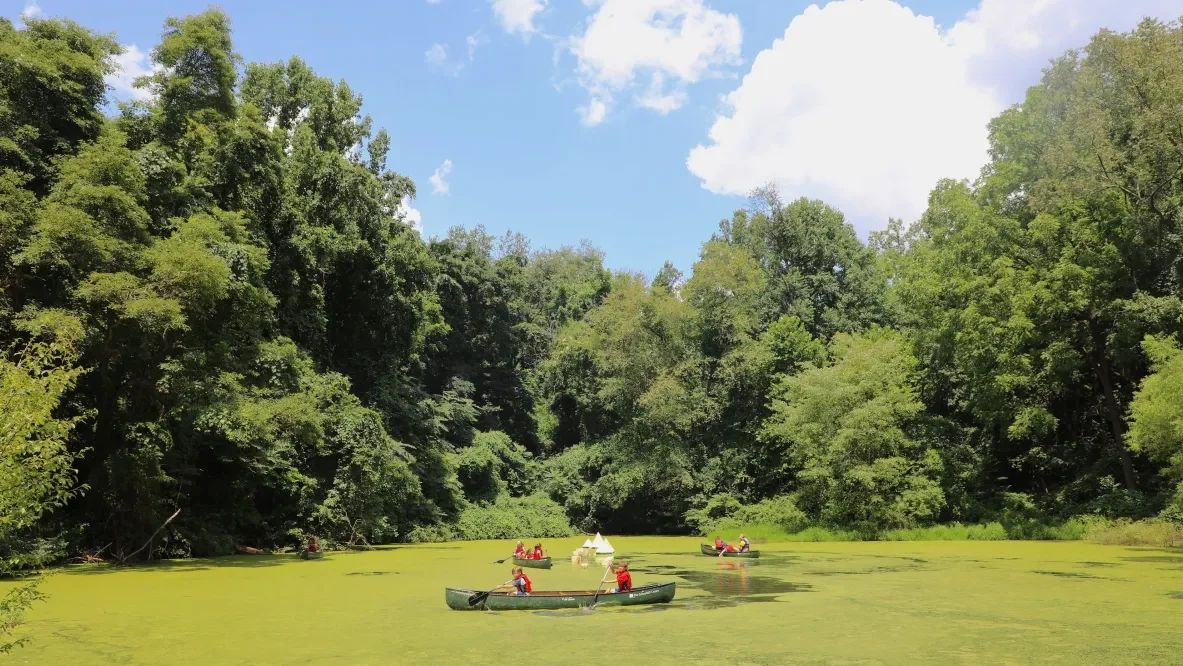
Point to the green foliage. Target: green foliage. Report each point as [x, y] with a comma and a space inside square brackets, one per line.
[1156, 412]
[37, 471]
[818, 270]
[847, 429]
[724, 514]
[494, 465]
[951, 532]
[532, 517]
[51, 88]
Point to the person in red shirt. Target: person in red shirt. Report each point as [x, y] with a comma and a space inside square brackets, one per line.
[520, 552]
[537, 555]
[624, 579]
[313, 546]
[723, 547]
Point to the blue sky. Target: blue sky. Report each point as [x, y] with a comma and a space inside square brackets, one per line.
[638, 124]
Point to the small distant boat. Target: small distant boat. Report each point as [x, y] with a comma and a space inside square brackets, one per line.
[710, 550]
[311, 555]
[544, 563]
[660, 593]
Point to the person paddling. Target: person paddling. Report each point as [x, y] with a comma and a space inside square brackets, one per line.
[520, 552]
[521, 583]
[745, 546]
[624, 579]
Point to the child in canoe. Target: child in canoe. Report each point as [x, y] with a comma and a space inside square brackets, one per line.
[745, 546]
[520, 552]
[723, 547]
[537, 554]
[521, 583]
[624, 579]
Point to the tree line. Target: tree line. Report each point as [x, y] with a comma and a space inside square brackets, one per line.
[212, 301]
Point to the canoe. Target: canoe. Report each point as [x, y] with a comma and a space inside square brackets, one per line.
[306, 555]
[544, 563]
[660, 593]
[710, 550]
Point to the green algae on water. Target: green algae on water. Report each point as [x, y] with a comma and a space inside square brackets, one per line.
[802, 603]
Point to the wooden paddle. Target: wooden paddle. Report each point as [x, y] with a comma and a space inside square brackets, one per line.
[500, 561]
[602, 579]
[480, 597]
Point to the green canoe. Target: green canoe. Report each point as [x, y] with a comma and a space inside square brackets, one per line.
[544, 563]
[306, 555]
[458, 599]
[710, 550]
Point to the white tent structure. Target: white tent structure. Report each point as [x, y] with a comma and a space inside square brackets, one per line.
[605, 547]
[587, 543]
[597, 542]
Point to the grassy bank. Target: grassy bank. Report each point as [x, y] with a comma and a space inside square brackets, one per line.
[1097, 530]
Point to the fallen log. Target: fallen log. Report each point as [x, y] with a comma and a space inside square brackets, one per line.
[158, 530]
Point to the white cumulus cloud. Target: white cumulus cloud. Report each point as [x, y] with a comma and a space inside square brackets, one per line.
[409, 215]
[438, 184]
[130, 65]
[517, 16]
[866, 105]
[668, 44]
[31, 10]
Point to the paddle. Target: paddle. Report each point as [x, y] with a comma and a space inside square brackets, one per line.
[480, 597]
[602, 579]
[503, 559]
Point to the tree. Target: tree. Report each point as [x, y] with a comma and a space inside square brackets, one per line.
[818, 269]
[849, 430]
[1156, 412]
[51, 88]
[1030, 290]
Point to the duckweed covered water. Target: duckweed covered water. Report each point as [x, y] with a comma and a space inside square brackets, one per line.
[825, 603]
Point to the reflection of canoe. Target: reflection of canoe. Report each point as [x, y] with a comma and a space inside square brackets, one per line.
[661, 593]
[544, 563]
[306, 555]
[710, 550]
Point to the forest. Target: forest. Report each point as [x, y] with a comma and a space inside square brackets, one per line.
[211, 302]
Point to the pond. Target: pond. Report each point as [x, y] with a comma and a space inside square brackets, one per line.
[824, 603]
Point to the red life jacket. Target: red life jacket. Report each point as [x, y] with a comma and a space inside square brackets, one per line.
[624, 581]
[538, 553]
[718, 543]
[529, 585]
[520, 553]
